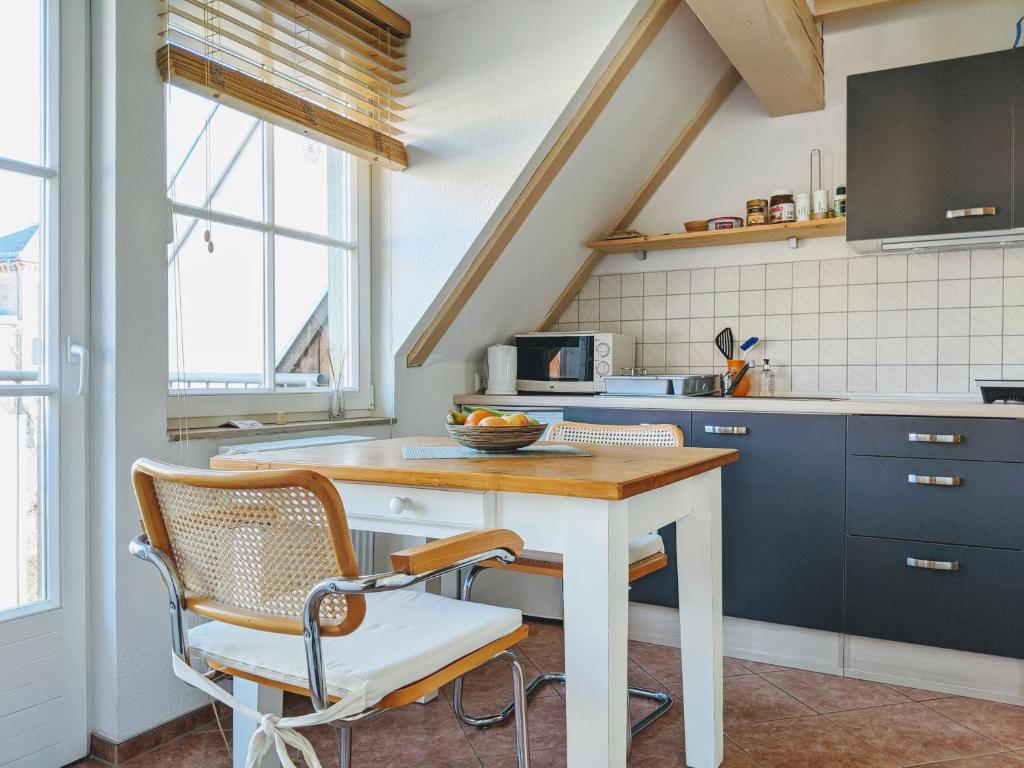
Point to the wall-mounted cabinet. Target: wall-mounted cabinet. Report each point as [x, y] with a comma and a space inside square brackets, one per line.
[931, 148]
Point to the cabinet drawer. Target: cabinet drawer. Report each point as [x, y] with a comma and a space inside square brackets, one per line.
[464, 509]
[956, 502]
[936, 438]
[974, 608]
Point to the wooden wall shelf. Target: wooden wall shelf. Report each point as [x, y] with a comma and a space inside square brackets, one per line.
[763, 234]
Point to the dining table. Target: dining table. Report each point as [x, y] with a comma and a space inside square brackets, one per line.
[584, 507]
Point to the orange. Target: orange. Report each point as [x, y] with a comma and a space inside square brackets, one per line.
[517, 419]
[476, 417]
[494, 421]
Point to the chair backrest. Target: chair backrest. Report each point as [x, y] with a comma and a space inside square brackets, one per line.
[248, 546]
[650, 435]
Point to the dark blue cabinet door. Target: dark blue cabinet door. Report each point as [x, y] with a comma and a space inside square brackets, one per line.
[977, 607]
[660, 587]
[782, 515]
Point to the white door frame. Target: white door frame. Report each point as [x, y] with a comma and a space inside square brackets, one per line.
[58, 627]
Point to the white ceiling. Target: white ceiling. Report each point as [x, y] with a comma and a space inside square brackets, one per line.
[417, 9]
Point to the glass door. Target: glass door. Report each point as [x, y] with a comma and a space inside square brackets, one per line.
[43, 382]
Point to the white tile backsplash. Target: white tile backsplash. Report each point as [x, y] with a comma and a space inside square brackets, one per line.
[899, 323]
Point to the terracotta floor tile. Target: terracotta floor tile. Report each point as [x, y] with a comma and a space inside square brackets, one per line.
[547, 730]
[831, 693]
[913, 733]
[539, 758]
[751, 699]
[544, 640]
[806, 742]
[184, 752]
[1002, 760]
[761, 667]
[734, 667]
[1002, 722]
[418, 734]
[489, 687]
[660, 661]
[919, 694]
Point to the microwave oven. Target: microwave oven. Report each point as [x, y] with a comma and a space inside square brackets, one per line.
[570, 362]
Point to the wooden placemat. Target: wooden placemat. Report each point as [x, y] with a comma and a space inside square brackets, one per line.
[461, 452]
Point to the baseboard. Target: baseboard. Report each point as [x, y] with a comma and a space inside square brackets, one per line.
[995, 678]
[121, 752]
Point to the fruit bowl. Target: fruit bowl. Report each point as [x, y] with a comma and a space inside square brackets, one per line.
[496, 439]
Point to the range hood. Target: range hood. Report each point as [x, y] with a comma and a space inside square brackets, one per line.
[1004, 238]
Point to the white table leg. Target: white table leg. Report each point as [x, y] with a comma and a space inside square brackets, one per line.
[263, 699]
[596, 614]
[699, 548]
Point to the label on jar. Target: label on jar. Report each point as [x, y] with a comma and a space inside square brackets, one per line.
[782, 212]
[754, 219]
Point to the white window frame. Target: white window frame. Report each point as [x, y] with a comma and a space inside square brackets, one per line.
[314, 401]
[46, 385]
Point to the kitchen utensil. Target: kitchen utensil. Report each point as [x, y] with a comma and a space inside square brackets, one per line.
[737, 380]
[724, 342]
[501, 370]
[496, 439]
[695, 384]
[697, 225]
[740, 386]
[637, 385]
[749, 344]
[724, 222]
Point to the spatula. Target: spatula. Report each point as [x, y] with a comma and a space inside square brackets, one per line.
[724, 342]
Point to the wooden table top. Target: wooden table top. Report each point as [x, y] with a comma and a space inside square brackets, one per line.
[613, 472]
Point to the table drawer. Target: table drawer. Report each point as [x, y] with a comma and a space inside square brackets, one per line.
[955, 502]
[936, 438]
[976, 607]
[465, 509]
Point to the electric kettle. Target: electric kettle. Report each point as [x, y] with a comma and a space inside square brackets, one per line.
[501, 370]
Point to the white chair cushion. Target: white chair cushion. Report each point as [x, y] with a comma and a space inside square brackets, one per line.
[639, 549]
[406, 635]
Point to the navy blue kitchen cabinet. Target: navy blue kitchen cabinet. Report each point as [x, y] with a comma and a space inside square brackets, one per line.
[660, 587]
[782, 515]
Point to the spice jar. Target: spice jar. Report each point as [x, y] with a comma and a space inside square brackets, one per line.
[757, 212]
[781, 208]
[803, 206]
[839, 202]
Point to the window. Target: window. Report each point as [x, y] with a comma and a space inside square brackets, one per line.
[268, 266]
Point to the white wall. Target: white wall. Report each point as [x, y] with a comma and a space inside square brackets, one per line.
[490, 84]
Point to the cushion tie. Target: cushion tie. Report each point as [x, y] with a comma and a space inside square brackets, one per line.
[274, 730]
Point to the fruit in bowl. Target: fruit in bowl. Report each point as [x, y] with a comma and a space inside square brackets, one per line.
[485, 429]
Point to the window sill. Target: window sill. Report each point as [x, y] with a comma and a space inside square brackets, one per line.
[320, 425]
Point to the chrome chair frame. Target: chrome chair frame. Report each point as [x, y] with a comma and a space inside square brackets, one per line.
[141, 548]
[664, 700]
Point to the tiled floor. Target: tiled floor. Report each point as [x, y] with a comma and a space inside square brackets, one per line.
[774, 717]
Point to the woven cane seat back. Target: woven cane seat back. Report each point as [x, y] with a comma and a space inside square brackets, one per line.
[646, 435]
[246, 553]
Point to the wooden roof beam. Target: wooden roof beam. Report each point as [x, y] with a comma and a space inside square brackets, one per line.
[620, 66]
[670, 160]
[775, 45]
[836, 9]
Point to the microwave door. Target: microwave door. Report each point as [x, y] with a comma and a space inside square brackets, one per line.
[556, 358]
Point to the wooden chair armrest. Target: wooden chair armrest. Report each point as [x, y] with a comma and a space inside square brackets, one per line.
[444, 552]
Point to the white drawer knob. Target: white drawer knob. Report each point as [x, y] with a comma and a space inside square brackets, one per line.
[399, 504]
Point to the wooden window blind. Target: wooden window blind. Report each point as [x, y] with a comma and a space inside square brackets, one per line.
[331, 69]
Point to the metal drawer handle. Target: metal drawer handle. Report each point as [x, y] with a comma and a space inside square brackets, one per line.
[712, 430]
[924, 437]
[932, 480]
[960, 213]
[934, 565]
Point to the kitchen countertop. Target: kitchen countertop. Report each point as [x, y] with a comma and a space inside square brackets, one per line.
[871, 406]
